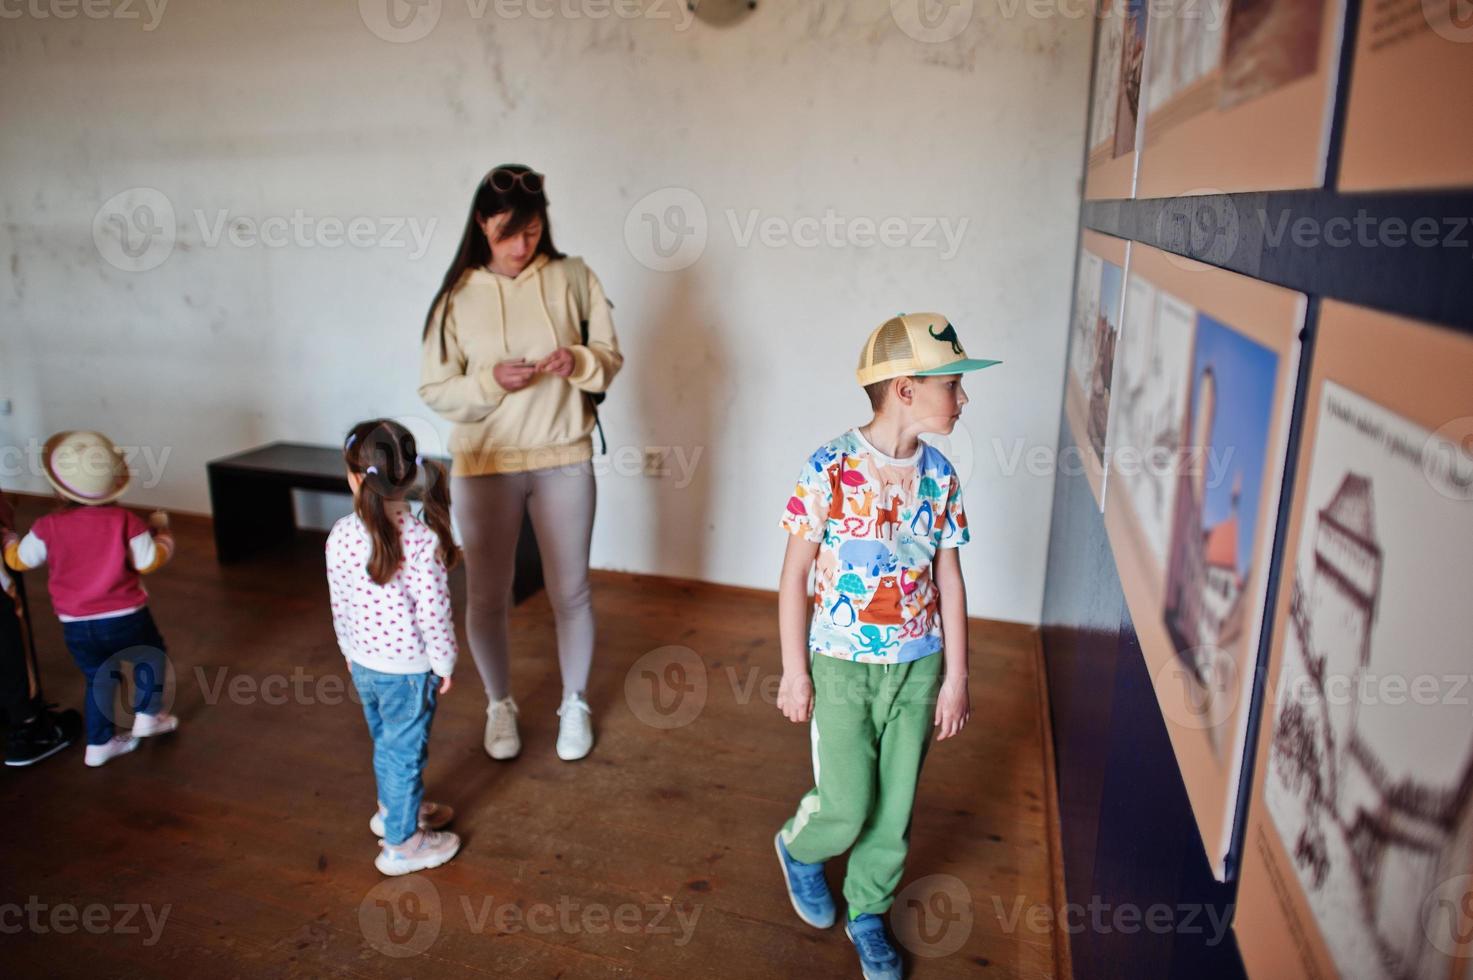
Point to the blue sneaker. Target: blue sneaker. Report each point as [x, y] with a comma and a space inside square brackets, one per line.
[806, 887]
[877, 958]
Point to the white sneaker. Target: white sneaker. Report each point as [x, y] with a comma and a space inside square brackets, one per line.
[432, 816]
[159, 724]
[575, 731]
[426, 849]
[502, 741]
[98, 755]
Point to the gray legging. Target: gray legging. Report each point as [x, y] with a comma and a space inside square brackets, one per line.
[488, 511]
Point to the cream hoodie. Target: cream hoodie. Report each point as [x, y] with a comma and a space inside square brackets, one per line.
[493, 319]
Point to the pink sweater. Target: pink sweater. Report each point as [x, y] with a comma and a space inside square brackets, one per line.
[96, 556]
[403, 626]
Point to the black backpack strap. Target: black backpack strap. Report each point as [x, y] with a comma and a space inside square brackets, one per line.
[603, 440]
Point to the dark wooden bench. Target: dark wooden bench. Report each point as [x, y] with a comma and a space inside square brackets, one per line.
[251, 500]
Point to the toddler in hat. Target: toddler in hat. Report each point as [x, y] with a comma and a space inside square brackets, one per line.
[877, 516]
[97, 552]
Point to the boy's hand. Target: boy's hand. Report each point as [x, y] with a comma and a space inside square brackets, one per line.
[445, 684]
[159, 521]
[795, 696]
[953, 708]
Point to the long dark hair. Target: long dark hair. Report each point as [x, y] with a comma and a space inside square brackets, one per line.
[475, 251]
[382, 453]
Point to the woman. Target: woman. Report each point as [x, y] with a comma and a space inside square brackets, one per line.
[506, 356]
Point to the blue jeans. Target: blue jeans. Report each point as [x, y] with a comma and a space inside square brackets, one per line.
[399, 709]
[100, 647]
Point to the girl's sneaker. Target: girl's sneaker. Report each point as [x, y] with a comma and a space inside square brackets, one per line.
[98, 755]
[159, 724]
[575, 730]
[426, 849]
[432, 816]
[502, 741]
[877, 958]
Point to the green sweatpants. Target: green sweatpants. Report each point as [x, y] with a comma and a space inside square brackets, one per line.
[871, 726]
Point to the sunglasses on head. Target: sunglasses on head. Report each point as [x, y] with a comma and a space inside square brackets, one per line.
[505, 180]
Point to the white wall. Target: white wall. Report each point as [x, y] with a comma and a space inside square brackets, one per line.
[746, 355]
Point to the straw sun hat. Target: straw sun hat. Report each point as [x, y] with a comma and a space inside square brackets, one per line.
[85, 467]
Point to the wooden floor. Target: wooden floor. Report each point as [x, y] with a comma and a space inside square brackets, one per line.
[239, 847]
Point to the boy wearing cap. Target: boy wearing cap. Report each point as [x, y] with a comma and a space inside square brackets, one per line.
[877, 516]
[97, 551]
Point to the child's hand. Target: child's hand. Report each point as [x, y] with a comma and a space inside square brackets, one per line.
[953, 708]
[445, 684]
[795, 696]
[159, 521]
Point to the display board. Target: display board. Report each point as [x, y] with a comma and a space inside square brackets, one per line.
[1358, 858]
[1316, 154]
[1407, 122]
[1120, 49]
[1203, 391]
[1099, 284]
[1237, 96]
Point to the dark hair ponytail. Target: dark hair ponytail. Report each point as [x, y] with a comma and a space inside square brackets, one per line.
[383, 454]
[474, 250]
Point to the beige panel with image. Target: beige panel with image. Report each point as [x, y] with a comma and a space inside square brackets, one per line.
[1358, 858]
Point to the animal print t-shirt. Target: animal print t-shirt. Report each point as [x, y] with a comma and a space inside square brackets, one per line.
[879, 522]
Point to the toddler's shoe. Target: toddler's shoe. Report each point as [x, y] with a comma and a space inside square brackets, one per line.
[575, 729]
[45, 735]
[877, 958]
[159, 724]
[807, 888]
[426, 849]
[98, 755]
[502, 741]
[432, 816]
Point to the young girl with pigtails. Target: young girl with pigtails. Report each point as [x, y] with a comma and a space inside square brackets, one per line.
[387, 573]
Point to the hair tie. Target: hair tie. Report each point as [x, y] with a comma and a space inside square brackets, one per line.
[418, 460]
[373, 470]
